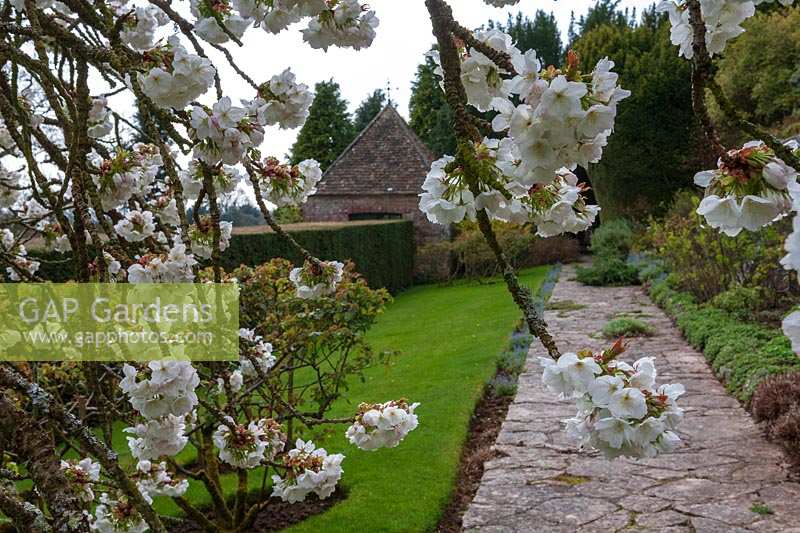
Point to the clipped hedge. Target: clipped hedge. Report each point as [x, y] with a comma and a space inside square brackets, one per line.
[741, 354]
[383, 252]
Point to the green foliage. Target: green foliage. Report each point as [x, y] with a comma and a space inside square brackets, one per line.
[469, 256]
[328, 130]
[383, 253]
[502, 385]
[611, 243]
[706, 263]
[540, 34]
[741, 302]
[627, 327]
[608, 271]
[368, 109]
[760, 70]
[761, 508]
[741, 354]
[447, 375]
[612, 239]
[605, 13]
[643, 165]
[328, 332]
[430, 116]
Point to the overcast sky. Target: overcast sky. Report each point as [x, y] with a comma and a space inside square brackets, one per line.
[403, 36]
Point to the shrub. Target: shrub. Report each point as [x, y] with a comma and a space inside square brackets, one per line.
[433, 263]
[741, 354]
[468, 255]
[627, 327]
[776, 402]
[612, 239]
[382, 252]
[705, 263]
[611, 271]
[775, 396]
[743, 303]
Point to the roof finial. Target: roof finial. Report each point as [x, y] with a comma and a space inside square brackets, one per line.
[389, 100]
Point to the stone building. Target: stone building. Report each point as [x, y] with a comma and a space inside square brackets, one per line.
[378, 176]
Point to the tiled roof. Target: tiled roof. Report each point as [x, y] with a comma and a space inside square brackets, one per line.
[386, 158]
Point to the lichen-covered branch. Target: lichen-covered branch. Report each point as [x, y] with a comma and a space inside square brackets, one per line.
[443, 26]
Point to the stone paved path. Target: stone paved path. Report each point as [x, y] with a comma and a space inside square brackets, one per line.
[540, 482]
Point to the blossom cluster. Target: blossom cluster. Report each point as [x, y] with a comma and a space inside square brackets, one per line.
[563, 119]
[225, 132]
[202, 236]
[285, 185]
[559, 207]
[127, 172]
[621, 411]
[172, 267]
[177, 76]
[749, 190]
[248, 446]
[99, 119]
[316, 278]
[309, 469]
[722, 18]
[256, 350]
[117, 515]
[166, 400]
[382, 425]
[283, 101]
[18, 256]
[139, 29]
[216, 16]
[82, 474]
[347, 23]
[556, 207]
[153, 479]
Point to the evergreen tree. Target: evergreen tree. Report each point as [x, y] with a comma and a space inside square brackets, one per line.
[431, 117]
[655, 124]
[368, 109]
[540, 34]
[328, 130]
[604, 12]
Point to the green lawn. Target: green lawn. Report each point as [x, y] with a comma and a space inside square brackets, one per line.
[449, 339]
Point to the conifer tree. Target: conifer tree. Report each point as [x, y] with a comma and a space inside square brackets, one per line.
[328, 130]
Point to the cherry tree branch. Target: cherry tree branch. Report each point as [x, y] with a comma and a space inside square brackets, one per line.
[466, 132]
[703, 79]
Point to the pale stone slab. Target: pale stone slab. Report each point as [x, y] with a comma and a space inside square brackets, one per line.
[541, 483]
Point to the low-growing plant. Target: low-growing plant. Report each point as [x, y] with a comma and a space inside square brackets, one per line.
[564, 305]
[627, 327]
[741, 354]
[503, 385]
[612, 239]
[512, 362]
[775, 396]
[608, 271]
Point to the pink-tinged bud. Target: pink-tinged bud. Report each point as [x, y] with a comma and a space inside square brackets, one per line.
[573, 60]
